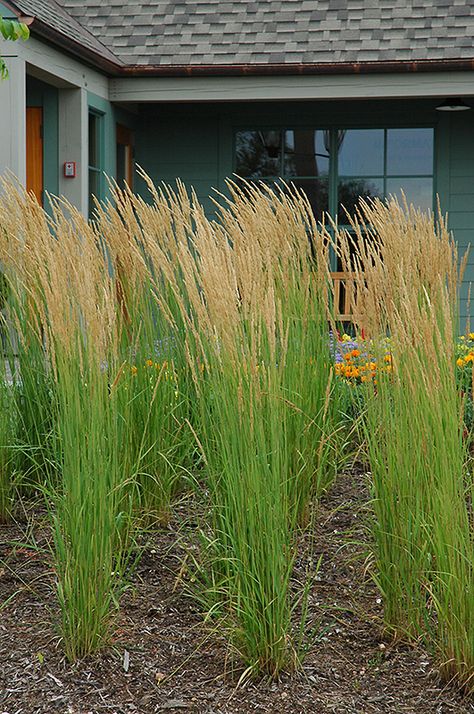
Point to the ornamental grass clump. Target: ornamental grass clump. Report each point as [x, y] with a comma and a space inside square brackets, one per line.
[407, 281]
[160, 446]
[68, 305]
[245, 298]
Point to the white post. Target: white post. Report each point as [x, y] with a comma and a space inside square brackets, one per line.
[13, 119]
[73, 143]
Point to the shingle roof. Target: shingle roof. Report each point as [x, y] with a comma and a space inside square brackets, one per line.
[226, 32]
[53, 14]
[237, 32]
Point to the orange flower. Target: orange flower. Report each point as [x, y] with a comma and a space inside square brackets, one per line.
[355, 353]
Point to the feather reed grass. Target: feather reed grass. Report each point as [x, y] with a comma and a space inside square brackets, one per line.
[407, 281]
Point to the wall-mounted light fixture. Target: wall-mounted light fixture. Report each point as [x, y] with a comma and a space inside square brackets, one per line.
[454, 104]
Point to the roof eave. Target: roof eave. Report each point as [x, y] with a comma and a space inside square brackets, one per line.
[87, 55]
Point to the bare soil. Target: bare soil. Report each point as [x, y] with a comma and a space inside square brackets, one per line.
[165, 659]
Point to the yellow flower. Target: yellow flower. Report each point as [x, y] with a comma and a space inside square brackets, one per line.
[134, 370]
[469, 358]
[388, 358]
[460, 362]
[471, 335]
[346, 338]
[149, 363]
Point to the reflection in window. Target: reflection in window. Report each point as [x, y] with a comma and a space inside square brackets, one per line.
[306, 152]
[418, 191]
[369, 163]
[384, 162]
[317, 193]
[258, 154]
[409, 152]
[351, 190]
[361, 153]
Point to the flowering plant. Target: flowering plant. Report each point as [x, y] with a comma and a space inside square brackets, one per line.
[355, 359]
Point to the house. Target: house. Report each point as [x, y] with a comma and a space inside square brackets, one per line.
[343, 97]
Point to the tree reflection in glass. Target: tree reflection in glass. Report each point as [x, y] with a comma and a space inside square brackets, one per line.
[351, 190]
[258, 154]
[306, 165]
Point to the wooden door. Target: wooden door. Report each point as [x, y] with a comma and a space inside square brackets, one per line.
[34, 151]
[124, 156]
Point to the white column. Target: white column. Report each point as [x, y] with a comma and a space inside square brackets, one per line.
[73, 146]
[13, 119]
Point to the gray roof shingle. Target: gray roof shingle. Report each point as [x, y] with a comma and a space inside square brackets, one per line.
[216, 32]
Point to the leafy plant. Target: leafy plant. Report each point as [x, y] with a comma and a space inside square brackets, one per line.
[11, 30]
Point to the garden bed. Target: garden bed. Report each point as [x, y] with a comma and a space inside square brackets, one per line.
[178, 664]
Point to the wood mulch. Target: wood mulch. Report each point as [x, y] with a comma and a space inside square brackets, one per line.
[164, 659]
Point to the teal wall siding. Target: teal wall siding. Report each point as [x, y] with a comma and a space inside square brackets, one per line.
[181, 143]
[40, 94]
[195, 143]
[457, 171]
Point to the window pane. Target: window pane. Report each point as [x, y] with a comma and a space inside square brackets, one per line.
[258, 154]
[317, 191]
[361, 152]
[93, 140]
[306, 153]
[418, 191]
[409, 151]
[350, 190]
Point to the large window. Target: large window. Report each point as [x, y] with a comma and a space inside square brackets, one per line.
[335, 167]
[95, 158]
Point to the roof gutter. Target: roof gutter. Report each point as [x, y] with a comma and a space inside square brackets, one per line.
[296, 70]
